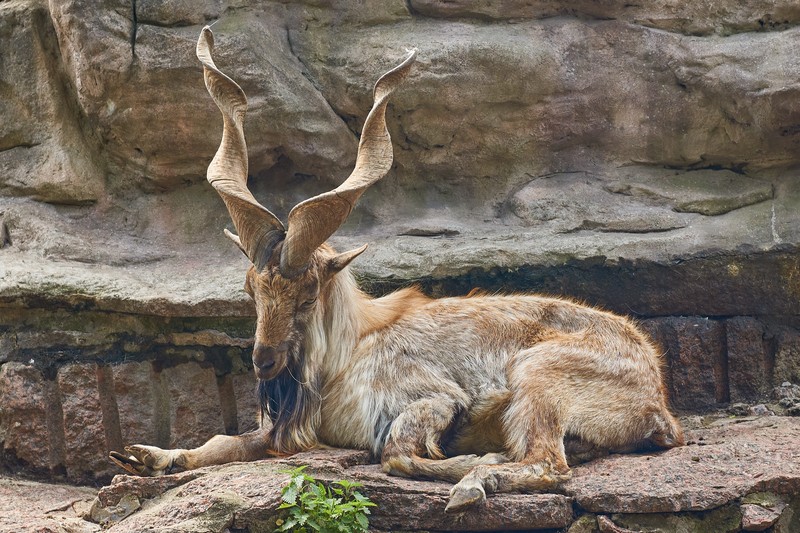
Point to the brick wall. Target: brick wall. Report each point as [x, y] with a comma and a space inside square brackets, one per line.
[61, 411]
[68, 424]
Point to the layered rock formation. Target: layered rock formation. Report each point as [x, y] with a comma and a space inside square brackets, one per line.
[639, 157]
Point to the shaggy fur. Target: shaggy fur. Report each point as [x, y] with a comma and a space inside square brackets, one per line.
[422, 382]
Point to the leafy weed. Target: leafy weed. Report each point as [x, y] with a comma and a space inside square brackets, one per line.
[313, 506]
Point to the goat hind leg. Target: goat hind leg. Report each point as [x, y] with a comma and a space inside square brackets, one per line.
[153, 461]
[534, 426]
[416, 433]
[544, 467]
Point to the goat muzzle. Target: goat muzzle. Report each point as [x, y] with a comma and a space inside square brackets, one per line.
[269, 361]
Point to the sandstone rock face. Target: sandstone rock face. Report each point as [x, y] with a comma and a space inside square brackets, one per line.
[673, 16]
[45, 149]
[638, 157]
[594, 108]
[136, 46]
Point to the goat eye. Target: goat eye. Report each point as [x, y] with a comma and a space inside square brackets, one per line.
[308, 304]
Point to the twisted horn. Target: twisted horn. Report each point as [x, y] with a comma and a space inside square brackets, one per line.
[259, 230]
[311, 222]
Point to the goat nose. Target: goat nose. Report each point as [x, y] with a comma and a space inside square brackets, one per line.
[268, 360]
[265, 357]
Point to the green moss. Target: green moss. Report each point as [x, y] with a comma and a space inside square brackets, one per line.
[722, 520]
[764, 499]
[585, 524]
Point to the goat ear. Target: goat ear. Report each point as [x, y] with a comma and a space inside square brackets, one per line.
[339, 261]
[236, 240]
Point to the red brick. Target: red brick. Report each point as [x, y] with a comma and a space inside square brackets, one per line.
[84, 435]
[654, 328]
[134, 385]
[747, 359]
[194, 405]
[24, 401]
[695, 354]
[787, 357]
[247, 406]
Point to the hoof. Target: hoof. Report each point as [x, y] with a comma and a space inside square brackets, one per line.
[552, 477]
[128, 463]
[560, 479]
[541, 476]
[464, 496]
[143, 460]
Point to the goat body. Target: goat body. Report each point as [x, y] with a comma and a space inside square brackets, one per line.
[489, 392]
[469, 354]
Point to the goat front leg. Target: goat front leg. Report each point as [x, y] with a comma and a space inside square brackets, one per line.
[413, 447]
[144, 460]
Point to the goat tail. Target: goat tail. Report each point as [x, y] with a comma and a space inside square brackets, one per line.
[668, 432]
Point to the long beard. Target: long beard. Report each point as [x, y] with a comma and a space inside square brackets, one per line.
[292, 402]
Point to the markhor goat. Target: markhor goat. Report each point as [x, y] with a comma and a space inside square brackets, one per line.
[489, 392]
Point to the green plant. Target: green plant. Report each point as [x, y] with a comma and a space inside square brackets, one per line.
[313, 506]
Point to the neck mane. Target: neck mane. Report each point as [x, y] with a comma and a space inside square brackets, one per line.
[345, 315]
[351, 315]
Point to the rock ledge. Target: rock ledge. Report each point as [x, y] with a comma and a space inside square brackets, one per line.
[732, 474]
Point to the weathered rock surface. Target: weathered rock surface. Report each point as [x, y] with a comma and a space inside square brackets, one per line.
[715, 483]
[44, 150]
[716, 467]
[108, 55]
[529, 138]
[668, 15]
[31, 506]
[733, 475]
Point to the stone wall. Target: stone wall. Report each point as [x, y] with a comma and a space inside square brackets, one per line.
[642, 158]
[67, 425]
[99, 382]
[69, 396]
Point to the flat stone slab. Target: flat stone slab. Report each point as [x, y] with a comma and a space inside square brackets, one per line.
[44, 507]
[707, 192]
[244, 495]
[720, 465]
[742, 472]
